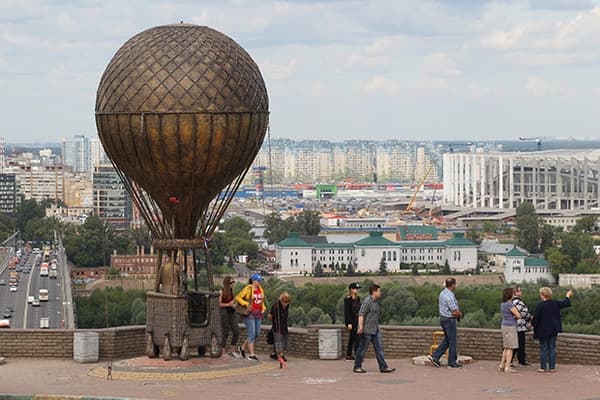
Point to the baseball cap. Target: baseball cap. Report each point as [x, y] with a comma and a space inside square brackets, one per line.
[256, 277]
[354, 285]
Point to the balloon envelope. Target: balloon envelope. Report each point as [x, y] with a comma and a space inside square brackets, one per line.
[182, 110]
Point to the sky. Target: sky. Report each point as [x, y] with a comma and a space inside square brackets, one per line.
[336, 69]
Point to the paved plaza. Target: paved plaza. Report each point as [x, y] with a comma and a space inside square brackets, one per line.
[303, 379]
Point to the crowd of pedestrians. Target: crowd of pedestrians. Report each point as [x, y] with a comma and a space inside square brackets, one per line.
[361, 319]
[516, 322]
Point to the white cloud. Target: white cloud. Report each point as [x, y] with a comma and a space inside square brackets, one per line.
[278, 72]
[562, 4]
[441, 65]
[475, 91]
[546, 58]
[379, 85]
[361, 60]
[557, 33]
[309, 51]
[430, 87]
[387, 44]
[539, 87]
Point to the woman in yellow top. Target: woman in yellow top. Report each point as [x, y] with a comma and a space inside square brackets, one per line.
[252, 296]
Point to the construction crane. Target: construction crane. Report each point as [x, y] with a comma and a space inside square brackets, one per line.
[413, 200]
[538, 141]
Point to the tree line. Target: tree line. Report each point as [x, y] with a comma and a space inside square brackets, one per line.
[315, 303]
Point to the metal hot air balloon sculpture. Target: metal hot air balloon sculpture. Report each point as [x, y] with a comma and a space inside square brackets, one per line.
[181, 111]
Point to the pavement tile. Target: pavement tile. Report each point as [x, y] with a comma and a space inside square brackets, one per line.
[303, 379]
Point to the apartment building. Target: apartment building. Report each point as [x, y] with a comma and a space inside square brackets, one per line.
[110, 199]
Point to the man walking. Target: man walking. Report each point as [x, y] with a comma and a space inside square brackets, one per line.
[368, 329]
[449, 314]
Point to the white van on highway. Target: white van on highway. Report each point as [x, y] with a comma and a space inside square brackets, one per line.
[44, 323]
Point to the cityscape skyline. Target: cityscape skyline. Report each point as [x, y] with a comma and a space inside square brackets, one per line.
[460, 70]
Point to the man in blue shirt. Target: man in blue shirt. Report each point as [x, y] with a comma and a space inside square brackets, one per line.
[449, 314]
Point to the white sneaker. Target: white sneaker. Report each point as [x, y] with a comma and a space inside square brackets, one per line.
[235, 355]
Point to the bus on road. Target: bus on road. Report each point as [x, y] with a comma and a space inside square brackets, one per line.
[43, 294]
[44, 269]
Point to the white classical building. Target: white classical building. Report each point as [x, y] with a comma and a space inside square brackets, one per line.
[296, 255]
[557, 179]
[521, 268]
[579, 281]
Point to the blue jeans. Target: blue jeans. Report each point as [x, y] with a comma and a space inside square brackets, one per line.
[449, 341]
[548, 352]
[365, 340]
[252, 324]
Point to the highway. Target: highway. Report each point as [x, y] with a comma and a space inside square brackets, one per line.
[26, 315]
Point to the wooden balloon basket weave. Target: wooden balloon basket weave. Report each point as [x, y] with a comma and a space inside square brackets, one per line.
[178, 320]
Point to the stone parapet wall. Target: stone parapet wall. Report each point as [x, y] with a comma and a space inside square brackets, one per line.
[412, 341]
[399, 342]
[38, 343]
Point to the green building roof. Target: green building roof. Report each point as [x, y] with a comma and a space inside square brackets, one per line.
[409, 244]
[333, 245]
[406, 231]
[375, 239]
[515, 253]
[459, 240]
[293, 240]
[536, 262]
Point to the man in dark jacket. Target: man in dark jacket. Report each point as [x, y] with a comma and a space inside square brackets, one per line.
[351, 308]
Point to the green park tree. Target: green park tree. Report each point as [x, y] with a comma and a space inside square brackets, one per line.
[527, 223]
[577, 246]
[237, 226]
[351, 270]
[586, 224]
[446, 268]
[308, 223]
[318, 269]
[276, 228]
[559, 261]
[489, 227]
[7, 227]
[382, 267]
[474, 233]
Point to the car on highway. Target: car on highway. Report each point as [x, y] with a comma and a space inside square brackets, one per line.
[7, 314]
[13, 289]
[9, 308]
[4, 323]
[44, 323]
[35, 303]
[30, 299]
[2, 282]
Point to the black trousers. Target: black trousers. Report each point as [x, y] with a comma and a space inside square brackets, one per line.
[353, 340]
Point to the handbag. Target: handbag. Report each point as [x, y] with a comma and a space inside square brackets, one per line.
[240, 309]
[270, 337]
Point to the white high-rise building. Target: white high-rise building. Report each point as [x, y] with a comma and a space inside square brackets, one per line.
[97, 153]
[76, 153]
